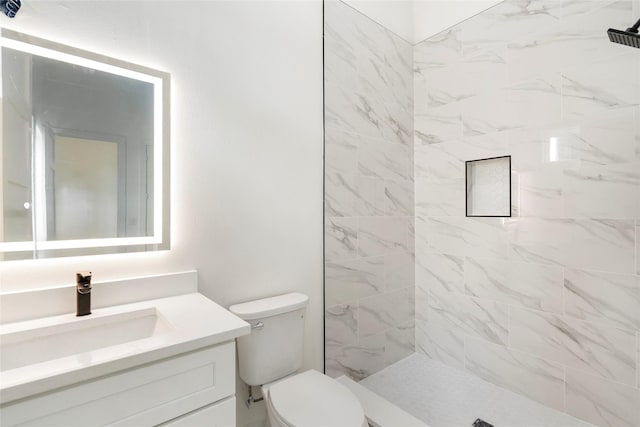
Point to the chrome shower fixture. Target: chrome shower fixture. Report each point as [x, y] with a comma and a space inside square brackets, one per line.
[10, 7]
[630, 37]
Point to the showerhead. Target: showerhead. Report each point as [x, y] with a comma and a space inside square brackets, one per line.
[10, 7]
[627, 38]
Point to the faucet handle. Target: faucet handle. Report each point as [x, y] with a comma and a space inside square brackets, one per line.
[83, 281]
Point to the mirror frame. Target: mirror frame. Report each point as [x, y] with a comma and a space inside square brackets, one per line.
[160, 240]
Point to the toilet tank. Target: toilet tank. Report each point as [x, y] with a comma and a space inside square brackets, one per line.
[274, 347]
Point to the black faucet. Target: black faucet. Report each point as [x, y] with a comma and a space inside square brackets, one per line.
[83, 293]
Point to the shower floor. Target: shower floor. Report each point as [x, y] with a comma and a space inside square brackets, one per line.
[443, 396]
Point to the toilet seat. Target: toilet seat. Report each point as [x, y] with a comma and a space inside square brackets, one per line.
[311, 399]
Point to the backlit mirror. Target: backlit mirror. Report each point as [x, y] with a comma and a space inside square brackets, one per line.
[85, 152]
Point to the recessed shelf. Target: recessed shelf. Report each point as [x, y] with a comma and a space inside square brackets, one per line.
[488, 187]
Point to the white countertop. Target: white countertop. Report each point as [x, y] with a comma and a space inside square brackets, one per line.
[196, 322]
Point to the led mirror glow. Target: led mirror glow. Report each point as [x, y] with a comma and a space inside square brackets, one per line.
[93, 133]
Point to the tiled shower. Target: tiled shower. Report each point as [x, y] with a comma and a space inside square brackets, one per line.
[546, 302]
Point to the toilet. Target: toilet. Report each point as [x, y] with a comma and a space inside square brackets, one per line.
[270, 357]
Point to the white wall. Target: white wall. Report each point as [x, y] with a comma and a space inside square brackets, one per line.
[395, 15]
[246, 142]
[416, 20]
[432, 16]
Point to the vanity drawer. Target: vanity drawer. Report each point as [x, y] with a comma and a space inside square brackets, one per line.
[143, 396]
[221, 414]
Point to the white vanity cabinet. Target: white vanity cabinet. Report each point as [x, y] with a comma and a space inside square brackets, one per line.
[192, 389]
[67, 371]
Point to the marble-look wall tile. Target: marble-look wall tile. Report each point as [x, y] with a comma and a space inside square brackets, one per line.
[535, 102]
[554, 287]
[540, 194]
[422, 303]
[467, 236]
[608, 298]
[486, 237]
[604, 138]
[638, 247]
[442, 49]
[351, 111]
[398, 198]
[602, 192]
[536, 378]
[421, 236]
[399, 271]
[341, 324]
[517, 283]
[487, 113]
[369, 196]
[589, 88]
[380, 159]
[440, 272]
[369, 193]
[357, 360]
[440, 198]
[445, 235]
[477, 317]
[375, 99]
[508, 21]
[600, 350]
[353, 195]
[443, 344]
[411, 235]
[432, 60]
[349, 281]
[540, 334]
[400, 342]
[442, 85]
[439, 124]
[436, 162]
[341, 152]
[606, 245]
[341, 238]
[482, 71]
[381, 312]
[577, 38]
[382, 236]
[601, 402]
[638, 368]
[637, 131]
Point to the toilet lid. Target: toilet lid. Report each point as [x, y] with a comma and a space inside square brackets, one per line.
[311, 399]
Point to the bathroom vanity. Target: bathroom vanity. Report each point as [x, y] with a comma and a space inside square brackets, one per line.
[164, 361]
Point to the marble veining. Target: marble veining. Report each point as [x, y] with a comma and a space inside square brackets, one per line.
[369, 194]
[600, 402]
[544, 303]
[341, 238]
[349, 281]
[519, 284]
[473, 316]
[603, 297]
[535, 378]
[600, 350]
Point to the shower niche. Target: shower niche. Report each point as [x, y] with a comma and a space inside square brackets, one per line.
[488, 187]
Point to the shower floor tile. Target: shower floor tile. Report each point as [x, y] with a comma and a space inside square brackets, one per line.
[443, 396]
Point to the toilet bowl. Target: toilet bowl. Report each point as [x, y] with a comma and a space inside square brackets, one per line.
[271, 357]
[311, 399]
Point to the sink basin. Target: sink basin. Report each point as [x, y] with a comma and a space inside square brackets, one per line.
[37, 342]
[47, 353]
